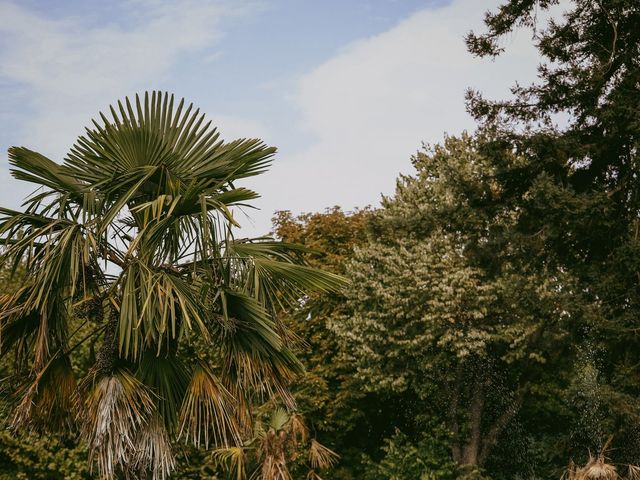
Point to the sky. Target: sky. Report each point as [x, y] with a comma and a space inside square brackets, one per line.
[347, 90]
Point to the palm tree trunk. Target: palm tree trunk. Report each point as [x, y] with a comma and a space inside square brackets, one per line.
[108, 353]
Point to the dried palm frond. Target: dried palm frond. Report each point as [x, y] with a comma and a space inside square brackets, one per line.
[274, 467]
[597, 469]
[277, 443]
[320, 457]
[313, 475]
[298, 428]
[33, 332]
[208, 411]
[273, 443]
[570, 472]
[267, 373]
[244, 412]
[46, 401]
[633, 472]
[153, 450]
[111, 415]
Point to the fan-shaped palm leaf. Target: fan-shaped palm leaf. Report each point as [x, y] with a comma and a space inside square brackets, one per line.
[114, 410]
[320, 457]
[233, 459]
[208, 411]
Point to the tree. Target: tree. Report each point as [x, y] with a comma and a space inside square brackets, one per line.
[129, 247]
[590, 72]
[452, 304]
[501, 283]
[577, 129]
[590, 75]
[329, 397]
[325, 395]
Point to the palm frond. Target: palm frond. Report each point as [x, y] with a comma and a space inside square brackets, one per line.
[275, 275]
[313, 475]
[34, 167]
[114, 410]
[46, 400]
[255, 357]
[232, 459]
[33, 334]
[167, 377]
[208, 413]
[320, 457]
[60, 256]
[56, 251]
[156, 305]
[153, 451]
[279, 418]
[633, 472]
[299, 431]
[18, 324]
[154, 133]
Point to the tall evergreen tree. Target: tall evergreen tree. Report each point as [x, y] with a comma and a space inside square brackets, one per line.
[578, 127]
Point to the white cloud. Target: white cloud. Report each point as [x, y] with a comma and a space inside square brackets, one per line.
[366, 110]
[372, 105]
[65, 70]
[73, 71]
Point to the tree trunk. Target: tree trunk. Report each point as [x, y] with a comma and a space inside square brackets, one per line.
[492, 436]
[471, 450]
[108, 353]
[474, 450]
[456, 450]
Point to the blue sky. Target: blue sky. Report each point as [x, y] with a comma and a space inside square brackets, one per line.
[347, 90]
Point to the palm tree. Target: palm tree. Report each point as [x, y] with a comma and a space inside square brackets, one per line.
[129, 246]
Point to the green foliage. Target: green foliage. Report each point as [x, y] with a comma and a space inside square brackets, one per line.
[448, 305]
[41, 458]
[404, 460]
[328, 396]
